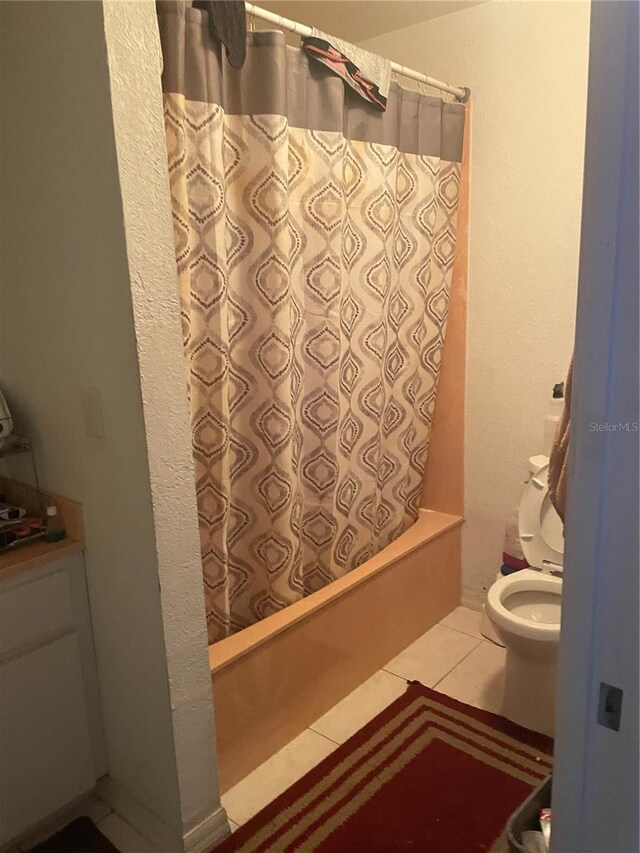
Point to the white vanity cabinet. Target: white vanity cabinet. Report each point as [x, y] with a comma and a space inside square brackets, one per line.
[51, 749]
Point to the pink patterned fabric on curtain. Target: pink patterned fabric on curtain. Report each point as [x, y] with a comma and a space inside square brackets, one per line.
[314, 240]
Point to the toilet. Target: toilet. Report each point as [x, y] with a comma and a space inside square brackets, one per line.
[524, 608]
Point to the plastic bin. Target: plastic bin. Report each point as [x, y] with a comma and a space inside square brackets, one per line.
[526, 816]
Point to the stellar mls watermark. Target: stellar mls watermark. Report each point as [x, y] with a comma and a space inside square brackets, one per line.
[620, 426]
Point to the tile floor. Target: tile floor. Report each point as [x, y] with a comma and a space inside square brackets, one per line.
[452, 657]
[120, 833]
[123, 836]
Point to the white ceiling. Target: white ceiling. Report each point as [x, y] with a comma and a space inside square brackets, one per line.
[358, 20]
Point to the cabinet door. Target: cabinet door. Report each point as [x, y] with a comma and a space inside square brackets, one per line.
[33, 612]
[45, 752]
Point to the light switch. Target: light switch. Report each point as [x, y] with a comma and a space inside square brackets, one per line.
[92, 412]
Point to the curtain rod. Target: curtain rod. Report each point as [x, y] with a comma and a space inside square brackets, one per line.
[462, 93]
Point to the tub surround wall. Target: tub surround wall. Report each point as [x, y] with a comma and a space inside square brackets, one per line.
[526, 164]
[444, 473]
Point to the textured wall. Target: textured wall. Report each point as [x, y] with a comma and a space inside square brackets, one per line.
[526, 64]
[67, 323]
[134, 64]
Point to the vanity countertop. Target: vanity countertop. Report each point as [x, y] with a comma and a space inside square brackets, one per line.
[30, 556]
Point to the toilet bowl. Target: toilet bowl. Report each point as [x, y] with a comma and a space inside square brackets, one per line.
[524, 609]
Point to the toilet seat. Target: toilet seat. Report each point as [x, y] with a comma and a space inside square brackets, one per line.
[531, 582]
[539, 525]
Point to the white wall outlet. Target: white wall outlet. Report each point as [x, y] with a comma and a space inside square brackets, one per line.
[92, 412]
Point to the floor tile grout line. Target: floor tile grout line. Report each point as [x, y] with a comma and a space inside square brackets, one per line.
[395, 674]
[462, 659]
[309, 728]
[479, 639]
[460, 631]
[239, 823]
[326, 737]
[48, 830]
[388, 671]
[335, 743]
[449, 671]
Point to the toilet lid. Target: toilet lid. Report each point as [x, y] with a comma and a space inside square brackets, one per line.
[539, 525]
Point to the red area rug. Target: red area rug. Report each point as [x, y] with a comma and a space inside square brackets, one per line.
[427, 775]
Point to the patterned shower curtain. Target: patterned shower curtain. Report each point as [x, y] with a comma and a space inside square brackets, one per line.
[315, 239]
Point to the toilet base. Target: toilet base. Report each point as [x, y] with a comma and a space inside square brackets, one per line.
[488, 631]
[530, 690]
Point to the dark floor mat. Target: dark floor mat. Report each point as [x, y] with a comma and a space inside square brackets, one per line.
[79, 836]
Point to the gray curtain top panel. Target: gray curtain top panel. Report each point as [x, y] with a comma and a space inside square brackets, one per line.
[281, 80]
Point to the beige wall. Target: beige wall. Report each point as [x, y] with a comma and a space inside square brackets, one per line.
[526, 64]
[68, 324]
[356, 20]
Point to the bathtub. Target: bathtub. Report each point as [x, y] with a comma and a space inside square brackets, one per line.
[275, 678]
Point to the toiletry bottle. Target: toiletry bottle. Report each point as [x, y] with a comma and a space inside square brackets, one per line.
[553, 417]
[54, 531]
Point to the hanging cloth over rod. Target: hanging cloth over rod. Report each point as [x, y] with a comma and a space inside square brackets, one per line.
[367, 73]
[227, 23]
[462, 93]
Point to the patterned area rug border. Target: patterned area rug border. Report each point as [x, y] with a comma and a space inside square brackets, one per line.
[309, 811]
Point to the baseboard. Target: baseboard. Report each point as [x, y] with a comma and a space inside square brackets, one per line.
[135, 813]
[200, 839]
[47, 826]
[208, 833]
[473, 599]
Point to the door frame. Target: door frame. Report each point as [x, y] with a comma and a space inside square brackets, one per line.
[595, 797]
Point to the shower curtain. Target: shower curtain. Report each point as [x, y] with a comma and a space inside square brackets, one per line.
[315, 239]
